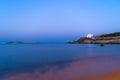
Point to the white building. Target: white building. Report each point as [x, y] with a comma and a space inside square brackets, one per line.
[90, 36]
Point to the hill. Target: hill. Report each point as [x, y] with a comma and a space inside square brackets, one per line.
[112, 38]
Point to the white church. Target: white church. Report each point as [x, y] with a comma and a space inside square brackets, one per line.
[90, 36]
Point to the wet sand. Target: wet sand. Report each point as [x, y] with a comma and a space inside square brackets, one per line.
[96, 68]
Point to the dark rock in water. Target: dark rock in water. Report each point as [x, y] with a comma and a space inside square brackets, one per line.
[102, 45]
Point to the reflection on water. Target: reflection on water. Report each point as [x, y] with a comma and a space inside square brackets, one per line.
[57, 62]
[75, 70]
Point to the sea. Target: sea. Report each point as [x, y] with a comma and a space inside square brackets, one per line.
[28, 58]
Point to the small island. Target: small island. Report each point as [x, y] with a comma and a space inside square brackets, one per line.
[112, 38]
[19, 42]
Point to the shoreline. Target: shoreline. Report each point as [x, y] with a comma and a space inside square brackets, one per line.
[95, 68]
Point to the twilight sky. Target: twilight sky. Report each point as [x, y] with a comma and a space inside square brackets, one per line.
[57, 20]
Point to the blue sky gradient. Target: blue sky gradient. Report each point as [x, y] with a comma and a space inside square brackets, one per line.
[57, 20]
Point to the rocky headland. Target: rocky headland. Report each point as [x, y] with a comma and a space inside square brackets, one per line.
[112, 38]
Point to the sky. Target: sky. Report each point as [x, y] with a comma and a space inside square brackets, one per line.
[57, 20]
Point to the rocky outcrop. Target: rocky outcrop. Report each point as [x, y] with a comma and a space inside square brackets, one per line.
[113, 38]
[14, 42]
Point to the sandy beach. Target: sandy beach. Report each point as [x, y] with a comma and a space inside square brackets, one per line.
[111, 76]
[96, 68]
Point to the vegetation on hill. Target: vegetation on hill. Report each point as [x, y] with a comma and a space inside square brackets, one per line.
[111, 35]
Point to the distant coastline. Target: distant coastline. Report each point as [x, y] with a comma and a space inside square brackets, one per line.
[111, 38]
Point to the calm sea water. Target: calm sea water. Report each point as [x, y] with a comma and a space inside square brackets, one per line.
[26, 58]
